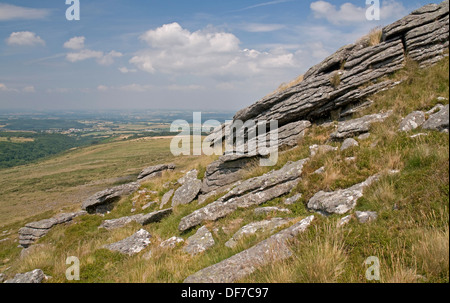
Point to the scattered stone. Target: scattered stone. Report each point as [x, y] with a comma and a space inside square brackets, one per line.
[154, 216]
[243, 264]
[268, 210]
[344, 221]
[364, 136]
[254, 191]
[256, 227]
[35, 276]
[103, 201]
[366, 216]
[199, 242]
[356, 127]
[148, 205]
[442, 99]
[435, 109]
[4, 240]
[340, 201]
[166, 198]
[33, 231]
[141, 219]
[321, 149]
[438, 121]
[188, 192]
[131, 245]
[418, 135]
[412, 121]
[2, 278]
[349, 143]
[293, 199]
[172, 242]
[350, 159]
[154, 171]
[320, 171]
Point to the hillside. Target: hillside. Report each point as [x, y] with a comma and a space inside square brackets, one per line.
[363, 172]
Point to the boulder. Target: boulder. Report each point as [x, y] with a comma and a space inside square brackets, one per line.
[340, 201]
[172, 242]
[131, 245]
[349, 143]
[166, 198]
[355, 127]
[344, 221]
[154, 216]
[191, 175]
[141, 219]
[320, 170]
[293, 199]
[321, 149]
[256, 227]
[366, 216]
[269, 210]
[438, 121]
[254, 191]
[199, 242]
[243, 264]
[154, 171]
[188, 192]
[412, 121]
[32, 277]
[103, 201]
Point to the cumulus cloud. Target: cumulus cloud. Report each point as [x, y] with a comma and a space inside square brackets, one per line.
[349, 13]
[24, 39]
[75, 43]
[175, 50]
[102, 58]
[12, 12]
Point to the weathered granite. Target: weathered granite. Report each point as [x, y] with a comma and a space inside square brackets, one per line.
[438, 121]
[269, 210]
[131, 245]
[33, 277]
[349, 143]
[366, 216]
[102, 201]
[413, 121]
[154, 171]
[355, 127]
[199, 242]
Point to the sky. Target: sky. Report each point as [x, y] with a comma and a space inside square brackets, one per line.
[171, 54]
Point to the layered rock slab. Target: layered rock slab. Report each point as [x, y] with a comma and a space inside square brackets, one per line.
[243, 264]
[102, 201]
[131, 245]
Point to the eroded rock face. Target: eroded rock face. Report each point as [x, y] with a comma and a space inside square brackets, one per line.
[251, 192]
[154, 171]
[33, 277]
[438, 121]
[102, 201]
[340, 201]
[240, 265]
[199, 242]
[131, 245]
[256, 227]
[355, 127]
[33, 231]
[413, 121]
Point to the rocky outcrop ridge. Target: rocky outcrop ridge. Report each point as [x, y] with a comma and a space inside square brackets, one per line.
[103, 201]
[154, 171]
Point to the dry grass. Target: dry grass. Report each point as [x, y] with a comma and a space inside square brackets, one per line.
[285, 86]
[335, 79]
[373, 37]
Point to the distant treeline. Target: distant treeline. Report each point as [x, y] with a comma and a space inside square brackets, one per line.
[41, 124]
[13, 154]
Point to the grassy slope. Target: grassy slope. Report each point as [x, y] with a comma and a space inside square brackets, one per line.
[410, 237]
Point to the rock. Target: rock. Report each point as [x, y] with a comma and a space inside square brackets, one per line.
[35, 276]
[320, 171]
[344, 221]
[256, 227]
[438, 121]
[141, 219]
[199, 242]
[350, 159]
[2, 278]
[340, 201]
[191, 175]
[30, 250]
[131, 245]
[268, 210]
[293, 199]
[154, 216]
[33, 231]
[351, 128]
[188, 192]
[349, 143]
[366, 216]
[321, 149]
[412, 121]
[102, 202]
[242, 264]
[254, 191]
[154, 171]
[354, 109]
[364, 136]
[435, 109]
[418, 135]
[166, 198]
[172, 242]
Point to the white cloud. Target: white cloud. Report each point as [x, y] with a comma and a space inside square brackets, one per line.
[24, 39]
[126, 70]
[29, 89]
[102, 88]
[13, 12]
[349, 13]
[3, 87]
[75, 43]
[174, 50]
[262, 28]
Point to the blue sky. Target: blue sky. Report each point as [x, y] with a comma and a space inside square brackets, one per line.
[172, 54]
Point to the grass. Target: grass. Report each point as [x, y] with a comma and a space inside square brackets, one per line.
[285, 86]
